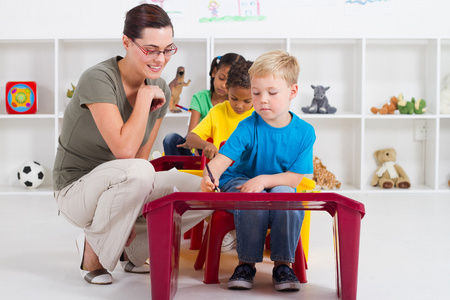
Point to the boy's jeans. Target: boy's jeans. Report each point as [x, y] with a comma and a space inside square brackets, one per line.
[251, 228]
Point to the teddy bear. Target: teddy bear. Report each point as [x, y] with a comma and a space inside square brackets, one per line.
[324, 179]
[388, 108]
[319, 103]
[445, 96]
[389, 174]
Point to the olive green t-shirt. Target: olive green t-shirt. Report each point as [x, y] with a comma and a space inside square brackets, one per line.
[81, 147]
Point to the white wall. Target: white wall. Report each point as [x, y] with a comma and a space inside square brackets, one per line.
[104, 18]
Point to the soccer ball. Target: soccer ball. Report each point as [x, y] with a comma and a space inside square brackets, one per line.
[31, 174]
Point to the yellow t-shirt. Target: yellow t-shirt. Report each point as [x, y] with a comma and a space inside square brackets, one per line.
[219, 123]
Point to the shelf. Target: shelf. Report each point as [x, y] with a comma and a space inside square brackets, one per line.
[27, 116]
[361, 72]
[17, 191]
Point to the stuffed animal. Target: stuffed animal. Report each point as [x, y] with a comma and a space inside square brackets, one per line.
[388, 108]
[324, 179]
[389, 174]
[176, 86]
[445, 96]
[419, 106]
[404, 107]
[411, 107]
[319, 103]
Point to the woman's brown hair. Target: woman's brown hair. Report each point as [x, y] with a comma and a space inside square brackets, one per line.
[144, 16]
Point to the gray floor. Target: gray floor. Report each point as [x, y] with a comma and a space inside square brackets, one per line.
[404, 254]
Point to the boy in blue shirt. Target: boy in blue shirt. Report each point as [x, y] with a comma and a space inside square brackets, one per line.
[271, 150]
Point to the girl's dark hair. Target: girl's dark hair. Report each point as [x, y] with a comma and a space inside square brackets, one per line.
[144, 16]
[225, 60]
[238, 75]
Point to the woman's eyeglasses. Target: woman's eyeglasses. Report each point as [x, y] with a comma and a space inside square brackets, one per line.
[155, 53]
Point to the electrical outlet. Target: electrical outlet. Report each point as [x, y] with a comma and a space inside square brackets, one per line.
[420, 130]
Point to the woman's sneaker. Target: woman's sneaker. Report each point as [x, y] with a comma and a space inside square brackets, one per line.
[284, 279]
[229, 241]
[242, 278]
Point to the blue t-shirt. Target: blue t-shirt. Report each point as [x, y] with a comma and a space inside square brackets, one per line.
[258, 148]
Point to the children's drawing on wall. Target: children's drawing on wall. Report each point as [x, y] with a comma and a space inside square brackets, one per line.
[174, 8]
[214, 8]
[368, 7]
[230, 10]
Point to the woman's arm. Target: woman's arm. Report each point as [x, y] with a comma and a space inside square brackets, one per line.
[125, 139]
[144, 151]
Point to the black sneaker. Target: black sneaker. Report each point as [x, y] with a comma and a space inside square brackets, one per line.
[284, 279]
[242, 278]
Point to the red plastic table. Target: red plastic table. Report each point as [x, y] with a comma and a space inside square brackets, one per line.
[164, 217]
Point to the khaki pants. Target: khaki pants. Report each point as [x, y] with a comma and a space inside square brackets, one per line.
[108, 202]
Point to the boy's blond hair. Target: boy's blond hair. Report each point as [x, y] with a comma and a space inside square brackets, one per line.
[278, 64]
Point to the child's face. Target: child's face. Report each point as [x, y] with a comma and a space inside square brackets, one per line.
[240, 99]
[220, 80]
[272, 99]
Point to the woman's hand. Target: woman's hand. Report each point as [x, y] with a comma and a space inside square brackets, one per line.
[151, 93]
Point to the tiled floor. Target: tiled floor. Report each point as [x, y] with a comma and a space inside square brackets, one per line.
[404, 254]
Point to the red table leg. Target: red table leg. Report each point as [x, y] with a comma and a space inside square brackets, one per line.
[347, 223]
[164, 232]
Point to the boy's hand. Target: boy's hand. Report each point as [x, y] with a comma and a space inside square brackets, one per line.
[184, 145]
[210, 151]
[254, 185]
[207, 185]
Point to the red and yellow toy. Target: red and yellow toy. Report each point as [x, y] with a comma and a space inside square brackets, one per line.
[21, 97]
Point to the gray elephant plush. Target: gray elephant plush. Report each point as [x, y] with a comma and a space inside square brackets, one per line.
[319, 103]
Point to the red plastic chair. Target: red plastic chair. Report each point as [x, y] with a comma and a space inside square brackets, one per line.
[221, 223]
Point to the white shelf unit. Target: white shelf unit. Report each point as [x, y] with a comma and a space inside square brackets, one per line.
[361, 73]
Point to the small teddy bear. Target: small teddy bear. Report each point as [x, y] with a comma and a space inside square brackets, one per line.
[324, 179]
[319, 103]
[389, 174]
[388, 108]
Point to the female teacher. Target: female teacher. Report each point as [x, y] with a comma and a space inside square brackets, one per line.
[102, 177]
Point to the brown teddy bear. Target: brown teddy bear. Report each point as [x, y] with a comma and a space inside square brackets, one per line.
[324, 179]
[388, 108]
[389, 174]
